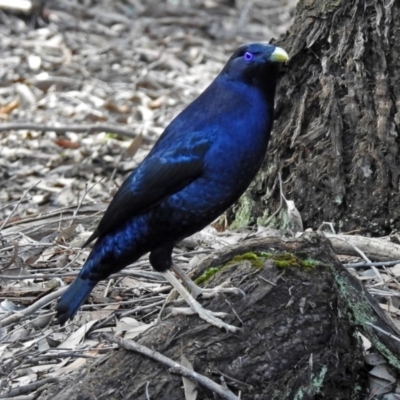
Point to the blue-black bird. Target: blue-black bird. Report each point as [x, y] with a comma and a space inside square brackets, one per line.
[201, 164]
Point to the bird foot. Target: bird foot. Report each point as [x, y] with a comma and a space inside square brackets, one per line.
[174, 311]
[197, 291]
[211, 317]
[215, 291]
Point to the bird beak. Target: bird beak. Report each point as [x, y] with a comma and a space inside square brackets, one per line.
[279, 55]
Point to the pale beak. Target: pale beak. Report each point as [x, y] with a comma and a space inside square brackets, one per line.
[279, 55]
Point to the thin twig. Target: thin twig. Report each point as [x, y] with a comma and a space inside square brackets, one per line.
[28, 388]
[53, 213]
[52, 356]
[108, 287]
[170, 296]
[147, 390]
[370, 264]
[362, 254]
[141, 308]
[234, 311]
[27, 323]
[13, 258]
[383, 331]
[280, 204]
[266, 280]
[83, 198]
[18, 203]
[13, 202]
[356, 249]
[149, 276]
[31, 309]
[174, 366]
[95, 128]
[126, 302]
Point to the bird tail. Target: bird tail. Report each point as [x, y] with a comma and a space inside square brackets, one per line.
[71, 300]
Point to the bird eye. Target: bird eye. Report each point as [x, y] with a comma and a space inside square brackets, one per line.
[248, 56]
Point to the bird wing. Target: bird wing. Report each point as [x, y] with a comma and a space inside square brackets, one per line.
[163, 173]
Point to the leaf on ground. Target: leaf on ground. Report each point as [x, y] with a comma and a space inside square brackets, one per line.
[76, 337]
[189, 386]
[134, 146]
[78, 363]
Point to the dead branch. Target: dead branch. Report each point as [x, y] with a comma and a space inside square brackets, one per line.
[175, 367]
[28, 388]
[374, 248]
[31, 309]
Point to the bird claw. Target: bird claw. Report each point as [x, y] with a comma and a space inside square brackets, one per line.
[215, 291]
[197, 291]
[174, 311]
[211, 317]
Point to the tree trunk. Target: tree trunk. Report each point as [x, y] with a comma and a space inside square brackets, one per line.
[335, 138]
[299, 318]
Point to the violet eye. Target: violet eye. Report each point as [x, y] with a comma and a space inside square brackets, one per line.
[248, 56]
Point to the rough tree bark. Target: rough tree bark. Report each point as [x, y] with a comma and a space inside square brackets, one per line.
[299, 321]
[337, 120]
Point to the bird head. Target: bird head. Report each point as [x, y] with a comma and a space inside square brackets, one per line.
[256, 64]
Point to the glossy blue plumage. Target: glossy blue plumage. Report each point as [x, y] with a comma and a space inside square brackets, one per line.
[202, 163]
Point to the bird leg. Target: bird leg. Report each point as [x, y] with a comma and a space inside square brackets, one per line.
[210, 316]
[196, 291]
